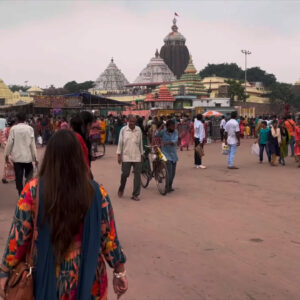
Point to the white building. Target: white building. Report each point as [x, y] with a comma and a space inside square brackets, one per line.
[211, 102]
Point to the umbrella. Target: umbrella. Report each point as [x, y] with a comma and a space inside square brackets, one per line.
[212, 113]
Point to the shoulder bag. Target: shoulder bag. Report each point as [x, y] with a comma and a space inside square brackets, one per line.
[20, 284]
[199, 149]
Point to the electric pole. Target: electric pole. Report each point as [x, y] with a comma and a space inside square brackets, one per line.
[246, 52]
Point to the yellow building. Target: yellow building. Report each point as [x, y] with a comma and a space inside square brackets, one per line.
[35, 91]
[127, 98]
[6, 95]
[218, 86]
[20, 97]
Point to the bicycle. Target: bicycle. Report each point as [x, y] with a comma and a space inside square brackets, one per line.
[98, 148]
[158, 170]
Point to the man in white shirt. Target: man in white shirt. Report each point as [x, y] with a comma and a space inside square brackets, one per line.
[130, 151]
[232, 138]
[199, 135]
[21, 146]
[222, 128]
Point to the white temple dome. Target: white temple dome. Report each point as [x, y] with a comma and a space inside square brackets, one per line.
[174, 37]
[112, 79]
[156, 71]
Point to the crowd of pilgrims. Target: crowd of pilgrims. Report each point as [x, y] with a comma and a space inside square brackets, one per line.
[108, 128]
[66, 277]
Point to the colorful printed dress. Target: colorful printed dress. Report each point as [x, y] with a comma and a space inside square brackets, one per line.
[185, 135]
[67, 273]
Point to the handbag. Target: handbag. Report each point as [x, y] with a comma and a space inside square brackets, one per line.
[199, 149]
[225, 149]
[20, 284]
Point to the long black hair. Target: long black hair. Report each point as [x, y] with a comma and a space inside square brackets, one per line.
[67, 192]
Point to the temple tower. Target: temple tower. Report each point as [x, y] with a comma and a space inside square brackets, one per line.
[174, 52]
[111, 80]
[155, 72]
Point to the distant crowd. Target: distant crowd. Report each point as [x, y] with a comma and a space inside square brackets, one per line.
[273, 135]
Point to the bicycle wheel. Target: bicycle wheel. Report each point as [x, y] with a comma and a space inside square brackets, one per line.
[161, 177]
[146, 173]
[94, 150]
[101, 150]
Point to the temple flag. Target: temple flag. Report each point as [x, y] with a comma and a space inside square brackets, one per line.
[176, 15]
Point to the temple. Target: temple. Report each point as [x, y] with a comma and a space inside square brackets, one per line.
[112, 80]
[189, 84]
[35, 91]
[6, 95]
[156, 72]
[187, 89]
[174, 52]
[161, 100]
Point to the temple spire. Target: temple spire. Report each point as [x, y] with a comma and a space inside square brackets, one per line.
[190, 69]
[174, 27]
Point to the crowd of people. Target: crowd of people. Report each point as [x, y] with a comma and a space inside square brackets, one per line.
[74, 216]
[275, 136]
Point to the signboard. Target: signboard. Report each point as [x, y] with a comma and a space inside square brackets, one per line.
[198, 110]
[165, 112]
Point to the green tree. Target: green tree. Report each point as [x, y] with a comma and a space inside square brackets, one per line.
[236, 90]
[74, 87]
[257, 74]
[222, 70]
[53, 91]
[17, 88]
[282, 93]
[233, 71]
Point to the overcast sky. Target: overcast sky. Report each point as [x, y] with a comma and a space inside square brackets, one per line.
[53, 42]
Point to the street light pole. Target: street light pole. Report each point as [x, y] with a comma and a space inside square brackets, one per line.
[246, 52]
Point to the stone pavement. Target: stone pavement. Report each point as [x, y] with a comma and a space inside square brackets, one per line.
[221, 235]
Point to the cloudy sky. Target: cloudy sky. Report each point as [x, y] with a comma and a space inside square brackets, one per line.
[53, 42]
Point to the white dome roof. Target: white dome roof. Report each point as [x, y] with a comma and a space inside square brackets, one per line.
[155, 72]
[112, 79]
[174, 36]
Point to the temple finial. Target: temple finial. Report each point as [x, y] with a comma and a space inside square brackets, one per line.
[174, 27]
[156, 53]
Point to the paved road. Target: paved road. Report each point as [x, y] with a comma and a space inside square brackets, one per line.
[221, 235]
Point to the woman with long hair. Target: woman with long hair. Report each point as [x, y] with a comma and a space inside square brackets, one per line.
[77, 126]
[87, 119]
[76, 230]
[274, 143]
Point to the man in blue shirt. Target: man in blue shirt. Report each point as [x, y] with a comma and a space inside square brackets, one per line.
[169, 138]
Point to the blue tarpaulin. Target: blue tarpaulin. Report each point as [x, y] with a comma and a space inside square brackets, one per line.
[94, 100]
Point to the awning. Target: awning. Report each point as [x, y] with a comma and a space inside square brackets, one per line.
[95, 100]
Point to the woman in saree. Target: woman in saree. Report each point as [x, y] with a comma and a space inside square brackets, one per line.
[185, 134]
[103, 125]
